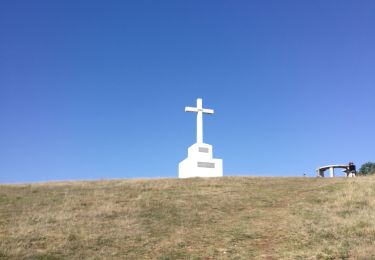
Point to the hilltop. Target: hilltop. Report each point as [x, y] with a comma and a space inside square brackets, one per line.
[217, 218]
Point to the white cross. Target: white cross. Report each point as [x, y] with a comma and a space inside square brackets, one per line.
[199, 110]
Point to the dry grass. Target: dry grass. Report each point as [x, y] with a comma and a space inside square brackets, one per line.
[218, 218]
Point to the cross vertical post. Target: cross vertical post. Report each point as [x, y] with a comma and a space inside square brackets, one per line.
[200, 111]
[199, 121]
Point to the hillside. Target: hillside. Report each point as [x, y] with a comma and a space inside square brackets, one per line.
[221, 218]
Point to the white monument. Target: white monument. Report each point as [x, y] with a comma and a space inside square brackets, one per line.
[199, 162]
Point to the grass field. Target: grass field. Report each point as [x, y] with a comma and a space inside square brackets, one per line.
[217, 218]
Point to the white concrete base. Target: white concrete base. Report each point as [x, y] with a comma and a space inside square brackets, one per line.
[200, 163]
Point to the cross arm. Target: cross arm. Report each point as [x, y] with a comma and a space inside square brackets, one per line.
[194, 109]
[191, 109]
[208, 111]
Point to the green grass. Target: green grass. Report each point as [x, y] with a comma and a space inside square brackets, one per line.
[217, 218]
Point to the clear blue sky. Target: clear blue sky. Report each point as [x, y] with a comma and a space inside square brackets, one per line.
[97, 89]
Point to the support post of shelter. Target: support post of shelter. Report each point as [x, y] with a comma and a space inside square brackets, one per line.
[331, 172]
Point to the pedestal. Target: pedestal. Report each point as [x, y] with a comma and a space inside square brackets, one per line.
[200, 163]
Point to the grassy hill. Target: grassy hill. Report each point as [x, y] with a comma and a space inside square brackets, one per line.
[218, 218]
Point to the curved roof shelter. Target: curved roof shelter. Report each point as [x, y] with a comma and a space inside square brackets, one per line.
[320, 171]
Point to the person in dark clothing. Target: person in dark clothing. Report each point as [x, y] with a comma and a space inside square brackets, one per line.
[352, 168]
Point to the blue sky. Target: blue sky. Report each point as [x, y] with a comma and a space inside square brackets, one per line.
[97, 89]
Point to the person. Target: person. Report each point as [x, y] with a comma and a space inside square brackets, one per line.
[352, 169]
